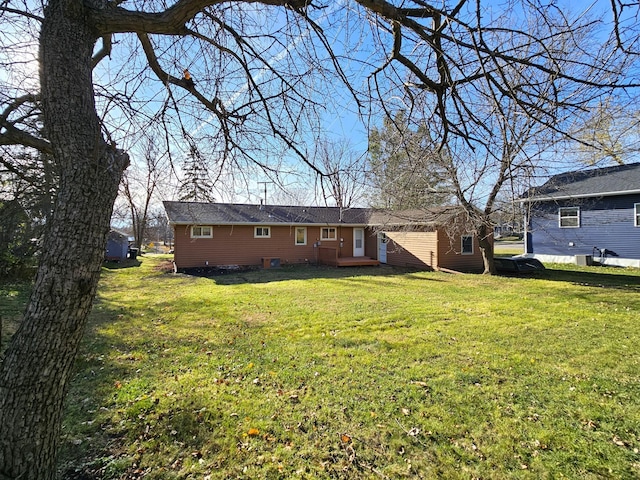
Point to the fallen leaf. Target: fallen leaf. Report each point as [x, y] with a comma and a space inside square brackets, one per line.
[253, 432]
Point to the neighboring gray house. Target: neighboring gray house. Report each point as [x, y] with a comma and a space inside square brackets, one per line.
[117, 246]
[587, 214]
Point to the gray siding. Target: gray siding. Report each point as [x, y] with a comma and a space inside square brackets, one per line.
[606, 222]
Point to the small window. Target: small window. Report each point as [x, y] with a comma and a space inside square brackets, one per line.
[262, 232]
[467, 245]
[301, 235]
[569, 217]
[328, 233]
[201, 231]
[636, 214]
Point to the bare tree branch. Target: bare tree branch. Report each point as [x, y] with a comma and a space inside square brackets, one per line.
[172, 21]
[16, 136]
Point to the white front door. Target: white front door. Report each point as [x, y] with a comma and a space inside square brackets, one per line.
[358, 242]
[382, 247]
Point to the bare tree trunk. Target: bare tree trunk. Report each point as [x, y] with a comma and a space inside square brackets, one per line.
[35, 370]
[485, 240]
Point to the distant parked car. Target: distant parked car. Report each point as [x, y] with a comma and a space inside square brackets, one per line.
[517, 264]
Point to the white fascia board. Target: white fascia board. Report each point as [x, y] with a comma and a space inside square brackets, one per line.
[275, 224]
[584, 195]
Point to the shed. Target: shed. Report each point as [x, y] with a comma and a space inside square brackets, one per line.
[117, 246]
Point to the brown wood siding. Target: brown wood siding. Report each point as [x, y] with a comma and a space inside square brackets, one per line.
[328, 256]
[236, 245]
[371, 243]
[412, 249]
[450, 257]
[346, 234]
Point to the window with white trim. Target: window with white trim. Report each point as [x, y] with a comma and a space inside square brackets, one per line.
[201, 231]
[328, 233]
[467, 244]
[636, 214]
[262, 232]
[569, 217]
[301, 235]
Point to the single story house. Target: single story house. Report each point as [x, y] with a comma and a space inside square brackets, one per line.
[223, 234]
[586, 215]
[117, 246]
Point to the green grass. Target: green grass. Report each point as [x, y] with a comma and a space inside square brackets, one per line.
[13, 298]
[358, 373]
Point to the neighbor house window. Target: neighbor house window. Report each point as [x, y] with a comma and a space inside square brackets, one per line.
[301, 235]
[569, 217]
[201, 231]
[328, 233]
[262, 232]
[636, 215]
[467, 244]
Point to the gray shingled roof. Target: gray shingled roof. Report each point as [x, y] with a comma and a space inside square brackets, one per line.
[235, 214]
[190, 213]
[596, 182]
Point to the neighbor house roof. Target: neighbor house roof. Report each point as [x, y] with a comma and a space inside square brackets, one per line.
[190, 213]
[595, 182]
[113, 233]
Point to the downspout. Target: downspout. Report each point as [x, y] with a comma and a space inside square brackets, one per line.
[528, 244]
[436, 266]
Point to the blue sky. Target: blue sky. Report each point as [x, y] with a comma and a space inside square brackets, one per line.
[339, 112]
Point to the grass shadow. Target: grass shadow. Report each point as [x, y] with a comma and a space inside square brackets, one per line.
[223, 276]
[117, 265]
[603, 277]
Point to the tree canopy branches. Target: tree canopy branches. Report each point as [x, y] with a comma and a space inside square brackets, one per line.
[481, 82]
[446, 53]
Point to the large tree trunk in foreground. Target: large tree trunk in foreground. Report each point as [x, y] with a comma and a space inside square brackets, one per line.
[36, 368]
[485, 240]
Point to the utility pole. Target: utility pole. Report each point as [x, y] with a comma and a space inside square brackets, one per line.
[265, 190]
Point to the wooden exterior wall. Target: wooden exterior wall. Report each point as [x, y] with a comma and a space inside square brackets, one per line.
[371, 243]
[432, 250]
[449, 255]
[236, 245]
[412, 249]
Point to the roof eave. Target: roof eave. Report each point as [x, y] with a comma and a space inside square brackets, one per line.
[584, 195]
[275, 224]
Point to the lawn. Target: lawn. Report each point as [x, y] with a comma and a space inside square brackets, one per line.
[376, 372]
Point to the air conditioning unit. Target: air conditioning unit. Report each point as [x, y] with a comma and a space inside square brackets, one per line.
[584, 260]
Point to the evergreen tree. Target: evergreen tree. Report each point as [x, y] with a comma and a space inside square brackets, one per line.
[402, 167]
[196, 185]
